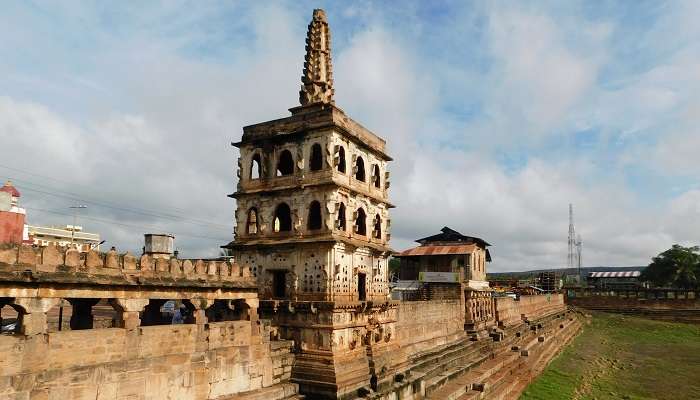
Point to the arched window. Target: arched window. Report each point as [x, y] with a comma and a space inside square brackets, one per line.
[252, 225]
[285, 165]
[316, 160]
[360, 169]
[341, 159]
[361, 222]
[255, 167]
[283, 218]
[375, 177]
[315, 221]
[340, 221]
[377, 232]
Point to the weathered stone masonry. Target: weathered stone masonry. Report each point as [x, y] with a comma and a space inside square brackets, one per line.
[215, 354]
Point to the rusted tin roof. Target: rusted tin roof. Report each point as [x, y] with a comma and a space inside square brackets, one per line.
[438, 250]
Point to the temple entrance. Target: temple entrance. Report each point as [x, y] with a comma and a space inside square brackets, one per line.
[279, 284]
[362, 286]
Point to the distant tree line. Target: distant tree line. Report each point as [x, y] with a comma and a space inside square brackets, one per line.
[676, 267]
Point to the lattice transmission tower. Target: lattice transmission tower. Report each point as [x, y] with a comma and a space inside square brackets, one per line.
[575, 244]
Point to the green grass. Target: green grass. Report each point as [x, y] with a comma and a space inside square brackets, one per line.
[623, 357]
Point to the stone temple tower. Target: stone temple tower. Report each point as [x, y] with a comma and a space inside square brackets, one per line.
[312, 224]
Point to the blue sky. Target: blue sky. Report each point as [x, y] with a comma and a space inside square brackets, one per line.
[498, 114]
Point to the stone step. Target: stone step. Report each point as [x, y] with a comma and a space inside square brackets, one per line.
[436, 383]
[514, 376]
[478, 374]
[280, 391]
[499, 351]
[455, 358]
[446, 352]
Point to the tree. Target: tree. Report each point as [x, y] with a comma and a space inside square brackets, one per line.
[678, 267]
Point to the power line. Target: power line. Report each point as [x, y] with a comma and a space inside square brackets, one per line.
[108, 221]
[65, 182]
[72, 196]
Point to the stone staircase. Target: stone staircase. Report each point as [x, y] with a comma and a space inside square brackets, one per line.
[511, 368]
[280, 391]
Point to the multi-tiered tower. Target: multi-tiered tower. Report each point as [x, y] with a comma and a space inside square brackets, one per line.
[312, 224]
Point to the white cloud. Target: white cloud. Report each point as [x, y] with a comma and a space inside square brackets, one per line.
[146, 122]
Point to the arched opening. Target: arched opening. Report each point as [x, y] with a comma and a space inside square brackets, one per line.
[377, 232]
[283, 218]
[72, 314]
[252, 225]
[167, 312]
[361, 222]
[228, 310]
[341, 159]
[360, 169]
[316, 160]
[285, 165]
[315, 220]
[375, 177]
[255, 167]
[10, 317]
[340, 221]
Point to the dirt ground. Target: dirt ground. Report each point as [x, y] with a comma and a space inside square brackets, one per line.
[623, 357]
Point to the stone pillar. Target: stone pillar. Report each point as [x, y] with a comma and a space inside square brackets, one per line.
[253, 305]
[33, 319]
[200, 306]
[128, 311]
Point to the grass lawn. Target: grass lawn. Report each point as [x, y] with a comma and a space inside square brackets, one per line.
[623, 357]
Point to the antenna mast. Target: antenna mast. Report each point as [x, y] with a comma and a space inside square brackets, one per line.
[575, 245]
[572, 238]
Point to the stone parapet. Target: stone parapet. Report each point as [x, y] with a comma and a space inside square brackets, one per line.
[51, 264]
[510, 312]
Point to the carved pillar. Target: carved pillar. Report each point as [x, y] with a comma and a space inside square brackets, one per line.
[253, 305]
[33, 319]
[128, 311]
[200, 305]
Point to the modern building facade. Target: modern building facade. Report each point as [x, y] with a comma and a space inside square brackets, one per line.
[68, 236]
[447, 257]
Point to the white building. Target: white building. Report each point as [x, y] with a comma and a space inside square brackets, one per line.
[65, 237]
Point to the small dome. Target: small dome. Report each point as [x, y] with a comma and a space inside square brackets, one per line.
[9, 188]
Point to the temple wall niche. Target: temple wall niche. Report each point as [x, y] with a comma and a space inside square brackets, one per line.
[306, 267]
[348, 263]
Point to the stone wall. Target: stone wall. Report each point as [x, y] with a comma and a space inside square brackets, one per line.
[221, 349]
[510, 312]
[56, 264]
[319, 271]
[678, 305]
[154, 362]
[424, 325]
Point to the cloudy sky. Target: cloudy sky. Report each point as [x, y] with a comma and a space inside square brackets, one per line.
[498, 116]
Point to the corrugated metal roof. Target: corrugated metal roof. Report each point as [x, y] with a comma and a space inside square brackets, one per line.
[615, 274]
[438, 250]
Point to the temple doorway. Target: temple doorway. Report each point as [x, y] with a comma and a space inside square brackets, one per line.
[279, 284]
[362, 286]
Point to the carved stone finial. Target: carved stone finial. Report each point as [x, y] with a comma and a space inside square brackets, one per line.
[317, 78]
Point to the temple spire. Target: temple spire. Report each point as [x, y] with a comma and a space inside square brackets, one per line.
[317, 78]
